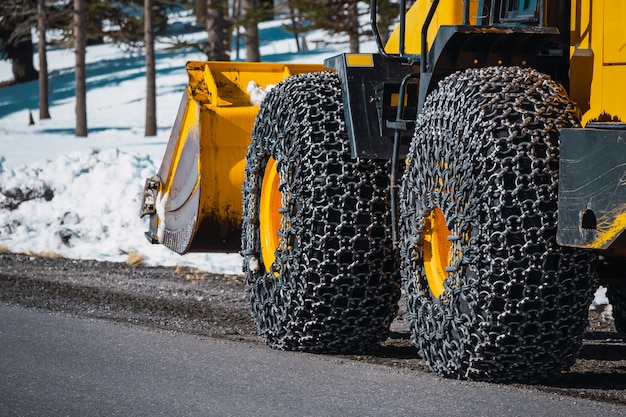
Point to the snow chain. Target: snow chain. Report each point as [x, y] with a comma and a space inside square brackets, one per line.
[335, 283]
[486, 153]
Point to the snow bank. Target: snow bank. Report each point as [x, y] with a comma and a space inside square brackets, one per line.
[85, 205]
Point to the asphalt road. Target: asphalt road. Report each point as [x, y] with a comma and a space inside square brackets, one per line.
[54, 365]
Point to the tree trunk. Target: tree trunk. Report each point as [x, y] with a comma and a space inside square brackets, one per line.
[218, 31]
[151, 125]
[387, 13]
[22, 60]
[80, 41]
[295, 24]
[251, 14]
[236, 17]
[44, 108]
[353, 15]
[200, 10]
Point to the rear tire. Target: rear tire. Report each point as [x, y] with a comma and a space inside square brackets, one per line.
[478, 200]
[329, 280]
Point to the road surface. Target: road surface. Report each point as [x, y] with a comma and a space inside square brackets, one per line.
[57, 365]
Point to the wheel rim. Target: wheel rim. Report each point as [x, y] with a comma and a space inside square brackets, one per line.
[436, 251]
[269, 213]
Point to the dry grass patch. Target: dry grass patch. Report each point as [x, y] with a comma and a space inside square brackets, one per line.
[46, 254]
[192, 274]
[135, 258]
[4, 249]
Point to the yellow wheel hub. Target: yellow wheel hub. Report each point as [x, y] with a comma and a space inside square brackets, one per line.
[269, 216]
[436, 248]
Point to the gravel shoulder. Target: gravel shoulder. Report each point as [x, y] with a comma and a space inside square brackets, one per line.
[192, 301]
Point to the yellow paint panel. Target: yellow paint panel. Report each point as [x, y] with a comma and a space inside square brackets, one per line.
[225, 135]
[395, 99]
[359, 60]
[449, 12]
[606, 235]
[614, 32]
[598, 57]
[612, 89]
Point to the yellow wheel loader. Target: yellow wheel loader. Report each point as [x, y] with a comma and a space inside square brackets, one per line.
[452, 165]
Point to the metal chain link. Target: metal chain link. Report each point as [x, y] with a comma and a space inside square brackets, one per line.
[335, 283]
[486, 153]
[616, 294]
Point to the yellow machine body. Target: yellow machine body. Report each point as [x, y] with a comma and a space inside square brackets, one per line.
[598, 58]
[197, 202]
[449, 12]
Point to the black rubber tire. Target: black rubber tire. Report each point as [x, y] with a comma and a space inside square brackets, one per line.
[336, 286]
[515, 304]
[616, 293]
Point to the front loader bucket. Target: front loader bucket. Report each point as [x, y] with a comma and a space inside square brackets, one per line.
[194, 201]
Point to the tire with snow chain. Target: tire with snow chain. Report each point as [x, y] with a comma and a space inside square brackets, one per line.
[490, 293]
[616, 293]
[321, 271]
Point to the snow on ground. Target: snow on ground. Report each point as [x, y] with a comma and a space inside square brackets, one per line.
[80, 197]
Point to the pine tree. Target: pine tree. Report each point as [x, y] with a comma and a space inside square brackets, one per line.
[341, 17]
[44, 102]
[334, 16]
[252, 15]
[80, 44]
[218, 29]
[387, 16]
[16, 43]
[200, 12]
[151, 125]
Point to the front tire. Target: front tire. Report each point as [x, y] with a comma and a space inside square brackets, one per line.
[321, 271]
[492, 295]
